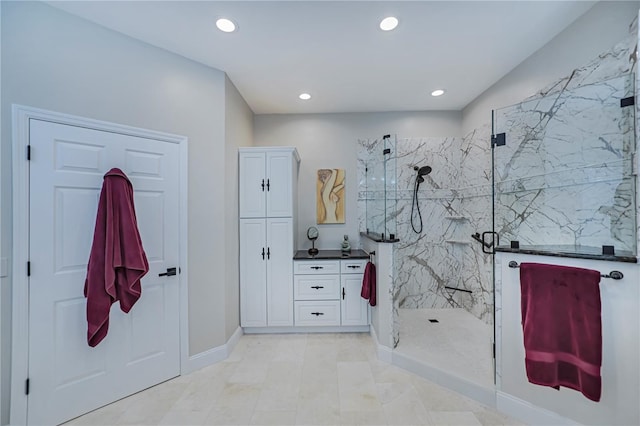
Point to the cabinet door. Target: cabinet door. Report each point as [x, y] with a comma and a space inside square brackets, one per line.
[253, 280]
[280, 272]
[354, 308]
[280, 185]
[252, 185]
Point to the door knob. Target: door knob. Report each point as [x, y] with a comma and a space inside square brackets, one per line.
[170, 272]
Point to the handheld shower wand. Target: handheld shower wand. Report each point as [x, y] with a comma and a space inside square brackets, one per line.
[422, 171]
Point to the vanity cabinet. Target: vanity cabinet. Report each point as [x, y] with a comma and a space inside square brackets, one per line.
[327, 293]
[267, 235]
[354, 309]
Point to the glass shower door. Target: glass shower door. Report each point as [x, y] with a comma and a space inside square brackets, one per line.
[564, 178]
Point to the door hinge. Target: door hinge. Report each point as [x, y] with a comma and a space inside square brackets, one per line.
[494, 350]
[29, 268]
[498, 140]
[26, 387]
[28, 152]
[625, 102]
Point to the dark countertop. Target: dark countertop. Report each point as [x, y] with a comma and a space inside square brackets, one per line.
[378, 238]
[331, 255]
[576, 252]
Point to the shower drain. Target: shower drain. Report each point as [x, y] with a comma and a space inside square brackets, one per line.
[433, 320]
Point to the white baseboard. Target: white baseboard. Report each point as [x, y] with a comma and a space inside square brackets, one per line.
[482, 394]
[233, 340]
[308, 329]
[528, 413]
[384, 353]
[213, 355]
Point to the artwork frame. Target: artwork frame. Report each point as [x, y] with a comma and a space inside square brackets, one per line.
[330, 196]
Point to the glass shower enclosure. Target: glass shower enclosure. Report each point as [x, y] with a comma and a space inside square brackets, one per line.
[380, 189]
[564, 178]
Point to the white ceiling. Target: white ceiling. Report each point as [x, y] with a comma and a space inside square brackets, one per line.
[335, 51]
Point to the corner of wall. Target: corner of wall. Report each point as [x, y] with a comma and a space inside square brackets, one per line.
[238, 132]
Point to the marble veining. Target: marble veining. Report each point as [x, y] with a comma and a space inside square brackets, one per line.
[565, 176]
[454, 205]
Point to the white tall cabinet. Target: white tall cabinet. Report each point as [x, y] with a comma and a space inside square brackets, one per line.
[268, 188]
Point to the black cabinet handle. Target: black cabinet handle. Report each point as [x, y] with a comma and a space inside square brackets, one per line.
[317, 287]
[343, 293]
[317, 267]
[170, 272]
[317, 313]
[268, 184]
[262, 185]
[262, 253]
[268, 253]
[353, 266]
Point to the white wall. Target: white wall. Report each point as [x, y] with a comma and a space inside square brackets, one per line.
[329, 141]
[238, 132]
[620, 348]
[604, 25]
[55, 61]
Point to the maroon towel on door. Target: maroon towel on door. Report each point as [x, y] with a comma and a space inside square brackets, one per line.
[562, 327]
[117, 261]
[369, 284]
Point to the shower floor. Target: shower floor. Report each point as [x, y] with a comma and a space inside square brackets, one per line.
[459, 343]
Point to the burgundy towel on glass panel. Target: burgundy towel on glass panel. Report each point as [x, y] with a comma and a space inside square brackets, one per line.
[562, 327]
[369, 284]
[117, 261]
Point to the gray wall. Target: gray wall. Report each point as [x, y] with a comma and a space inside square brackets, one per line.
[55, 61]
[238, 132]
[599, 29]
[329, 141]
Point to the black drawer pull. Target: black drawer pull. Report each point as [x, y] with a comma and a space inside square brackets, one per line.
[353, 266]
[317, 313]
[317, 287]
[317, 267]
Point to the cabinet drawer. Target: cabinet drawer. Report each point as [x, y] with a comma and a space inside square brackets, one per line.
[316, 287]
[353, 266]
[317, 313]
[316, 267]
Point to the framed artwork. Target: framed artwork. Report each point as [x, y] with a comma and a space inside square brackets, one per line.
[330, 198]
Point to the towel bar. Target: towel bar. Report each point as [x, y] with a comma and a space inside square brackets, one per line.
[616, 275]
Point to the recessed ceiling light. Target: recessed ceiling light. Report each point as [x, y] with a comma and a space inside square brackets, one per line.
[305, 96]
[438, 92]
[389, 23]
[225, 25]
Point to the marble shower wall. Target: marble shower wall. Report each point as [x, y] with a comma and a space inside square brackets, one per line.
[455, 198]
[455, 201]
[565, 175]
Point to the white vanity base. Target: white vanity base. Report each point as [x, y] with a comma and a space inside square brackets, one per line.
[315, 329]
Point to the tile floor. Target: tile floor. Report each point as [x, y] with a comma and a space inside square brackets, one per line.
[297, 379]
[459, 343]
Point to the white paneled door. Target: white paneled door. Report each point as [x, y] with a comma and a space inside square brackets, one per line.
[67, 377]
